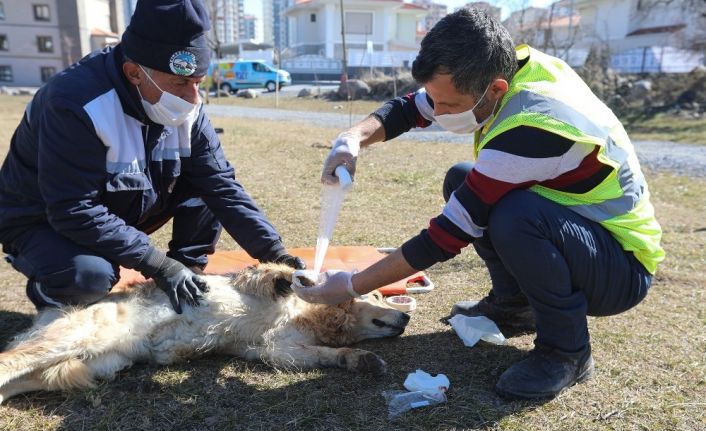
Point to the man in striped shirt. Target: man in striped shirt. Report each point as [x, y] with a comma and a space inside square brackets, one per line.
[555, 204]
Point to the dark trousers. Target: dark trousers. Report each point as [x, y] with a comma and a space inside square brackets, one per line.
[567, 266]
[61, 272]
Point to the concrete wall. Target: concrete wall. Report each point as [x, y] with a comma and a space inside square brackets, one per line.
[307, 32]
[406, 28]
[605, 22]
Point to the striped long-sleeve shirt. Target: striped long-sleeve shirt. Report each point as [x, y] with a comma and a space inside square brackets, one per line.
[516, 159]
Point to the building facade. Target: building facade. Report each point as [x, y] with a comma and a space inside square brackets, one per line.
[628, 24]
[378, 32]
[228, 26]
[250, 28]
[39, 39]
[646, 36]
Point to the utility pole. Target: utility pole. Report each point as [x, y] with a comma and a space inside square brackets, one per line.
[278, 49]
[344, 63]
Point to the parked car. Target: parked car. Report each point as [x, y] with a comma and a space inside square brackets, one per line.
[232, 76]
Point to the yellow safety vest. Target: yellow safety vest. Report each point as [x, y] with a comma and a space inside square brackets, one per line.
[547, 94]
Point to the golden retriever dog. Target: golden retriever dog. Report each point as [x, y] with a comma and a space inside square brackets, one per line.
[251, 314]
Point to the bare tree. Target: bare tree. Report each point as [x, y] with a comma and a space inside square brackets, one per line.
[215, 11]
[67, 45]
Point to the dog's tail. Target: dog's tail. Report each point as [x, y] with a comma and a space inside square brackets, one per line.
[22, 360]
[72, 339]
[30, 366]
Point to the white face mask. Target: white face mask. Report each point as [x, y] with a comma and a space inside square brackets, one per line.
[169, 110]
[463, 122]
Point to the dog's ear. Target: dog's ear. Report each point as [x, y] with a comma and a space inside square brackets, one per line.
[307, 282]
[283, 287]
[283, 282]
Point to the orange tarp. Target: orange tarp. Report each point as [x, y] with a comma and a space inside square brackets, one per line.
[344, 258]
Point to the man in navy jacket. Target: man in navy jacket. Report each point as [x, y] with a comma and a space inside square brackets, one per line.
[111, 149]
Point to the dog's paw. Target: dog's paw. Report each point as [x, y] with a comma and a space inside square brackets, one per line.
[367, 362]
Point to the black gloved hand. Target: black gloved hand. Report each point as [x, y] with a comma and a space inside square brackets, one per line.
[290, 261]
[179, 283]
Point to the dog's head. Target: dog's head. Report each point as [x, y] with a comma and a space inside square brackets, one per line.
[353, 321]
[333, 325]
[376, 319]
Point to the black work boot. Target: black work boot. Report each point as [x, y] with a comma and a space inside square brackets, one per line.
[545, 373]
[511, 313]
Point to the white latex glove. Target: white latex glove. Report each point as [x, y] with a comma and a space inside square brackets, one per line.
[334, 287]
[344, 152]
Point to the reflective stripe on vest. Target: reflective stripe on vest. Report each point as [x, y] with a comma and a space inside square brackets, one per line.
[631, 183]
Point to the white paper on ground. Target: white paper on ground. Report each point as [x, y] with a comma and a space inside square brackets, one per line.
[471, 329]
[423, 381]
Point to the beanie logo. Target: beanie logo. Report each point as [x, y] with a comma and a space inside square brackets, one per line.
[183, 63]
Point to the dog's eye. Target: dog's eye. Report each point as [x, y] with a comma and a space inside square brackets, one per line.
[379, 323]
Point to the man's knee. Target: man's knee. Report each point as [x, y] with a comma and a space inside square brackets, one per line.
[509, 218]
[455, 177]
[87, 281]
[95, 276]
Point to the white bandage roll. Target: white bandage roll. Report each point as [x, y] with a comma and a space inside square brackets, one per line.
[402, 302]
[300, 275]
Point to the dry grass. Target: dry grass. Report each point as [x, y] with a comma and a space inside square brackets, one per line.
[651, 361]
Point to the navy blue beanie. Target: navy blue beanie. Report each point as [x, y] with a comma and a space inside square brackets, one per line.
[169, 36]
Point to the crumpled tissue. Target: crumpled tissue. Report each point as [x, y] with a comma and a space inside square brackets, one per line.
[423, 381]
[471, 329]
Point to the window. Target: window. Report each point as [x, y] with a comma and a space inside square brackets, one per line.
[359, 22]
[259, 67]
[4, 44]
[45, 44]
[2, 10]
[312, 17]
[41, 12]
[6, 73]
[47, 72]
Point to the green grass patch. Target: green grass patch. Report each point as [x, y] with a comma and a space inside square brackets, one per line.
[663, 127]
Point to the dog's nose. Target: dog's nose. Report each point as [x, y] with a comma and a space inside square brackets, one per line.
[405, 318]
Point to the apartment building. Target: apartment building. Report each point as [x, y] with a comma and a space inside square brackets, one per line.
[228, 25]
[274, 24]
[43, 37]
[250, 29]
[30, 43]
